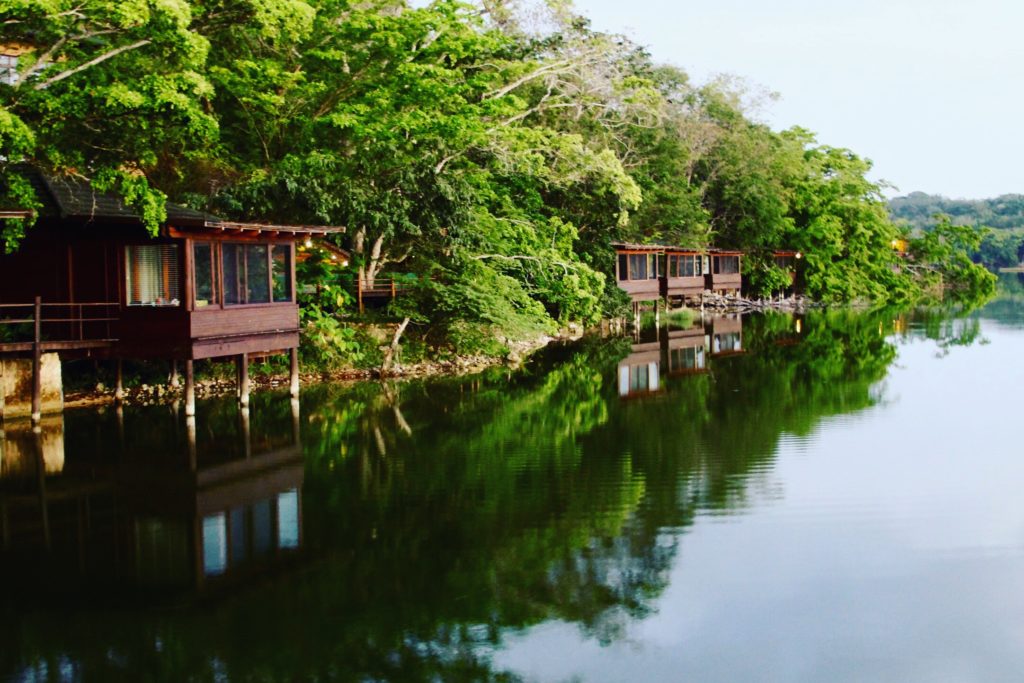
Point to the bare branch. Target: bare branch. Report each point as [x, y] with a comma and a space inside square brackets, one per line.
[92, 62]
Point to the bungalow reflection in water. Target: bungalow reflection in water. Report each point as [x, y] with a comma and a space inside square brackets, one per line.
[675, 352]
[726, 335]
[194, 513]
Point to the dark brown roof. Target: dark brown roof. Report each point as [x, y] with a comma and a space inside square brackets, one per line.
[628, 246]
[69, 197]
[74, 198]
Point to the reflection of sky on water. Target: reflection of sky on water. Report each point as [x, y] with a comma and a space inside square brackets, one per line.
[894, 552]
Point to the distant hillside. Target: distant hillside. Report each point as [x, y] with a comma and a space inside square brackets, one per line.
[1005, 212]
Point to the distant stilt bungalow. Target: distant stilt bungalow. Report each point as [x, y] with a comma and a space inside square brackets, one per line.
[725, 276]
[787, 262]
[651, 272]
[637, 270]
[684, 276]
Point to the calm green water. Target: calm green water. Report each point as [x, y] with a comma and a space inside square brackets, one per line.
[835, 497]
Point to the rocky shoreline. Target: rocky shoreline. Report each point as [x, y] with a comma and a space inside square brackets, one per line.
[157, 394]
[154, 394]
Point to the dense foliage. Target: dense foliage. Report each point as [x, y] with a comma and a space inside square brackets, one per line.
[491, 151]
[1002, 246]
[917, 209]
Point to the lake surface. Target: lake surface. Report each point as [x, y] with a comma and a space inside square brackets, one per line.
[828, 497]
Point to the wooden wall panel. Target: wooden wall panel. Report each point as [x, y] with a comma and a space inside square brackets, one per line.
[215, 322]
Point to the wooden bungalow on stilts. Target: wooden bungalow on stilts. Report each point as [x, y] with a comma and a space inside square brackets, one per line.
[787, 262]
[638, 271]
[684, 276]
[95, 283]
[724, 275]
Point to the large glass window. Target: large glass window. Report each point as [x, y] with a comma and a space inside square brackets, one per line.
[205, 273]
[281, 271]
[623, 267]
[785, 262]
[257, 279]
[246, 272]
[152, 275]
[9, 69]
[288, 519]
[233, 272]
[638, 266]
[727, 265]
[215, 544]
[730, 341]
[262, 528]
[643, 267]
[687, 359]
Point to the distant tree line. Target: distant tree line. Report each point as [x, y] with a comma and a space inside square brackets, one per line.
[491, 150]
[1001, 246]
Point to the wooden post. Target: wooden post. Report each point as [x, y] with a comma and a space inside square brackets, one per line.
[44, 508]
[175, 381]
[190, 435]
[119, 385]
[392, 288]
[37, 364]
[296, 424]
[190, 389]
[246, 431]
[359, 291]
[294, 386]
[243, 379]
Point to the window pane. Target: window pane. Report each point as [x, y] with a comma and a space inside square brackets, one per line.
[231, 258]
[288, 519]
[206, 293]
[215, 541]
[152, 275]
[262, 529]
[256, 276]
[652, 266]
[9, 69]
[623, 267]
[281, 262]
[239, 537]
[637, 267]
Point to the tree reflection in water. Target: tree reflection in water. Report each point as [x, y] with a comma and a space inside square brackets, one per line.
[436, 517]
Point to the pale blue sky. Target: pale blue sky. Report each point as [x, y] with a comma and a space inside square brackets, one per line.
[930, 90]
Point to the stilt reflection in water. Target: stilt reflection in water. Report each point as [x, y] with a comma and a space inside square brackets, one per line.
[166, 508]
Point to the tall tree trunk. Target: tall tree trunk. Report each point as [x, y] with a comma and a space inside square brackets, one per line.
[389, 353]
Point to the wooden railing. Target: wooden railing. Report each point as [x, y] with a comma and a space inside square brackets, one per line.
[56, 326]
[382, 288]
[65, 327]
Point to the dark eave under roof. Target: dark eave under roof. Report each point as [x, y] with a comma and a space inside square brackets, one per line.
[669, 249]
[271, 227]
